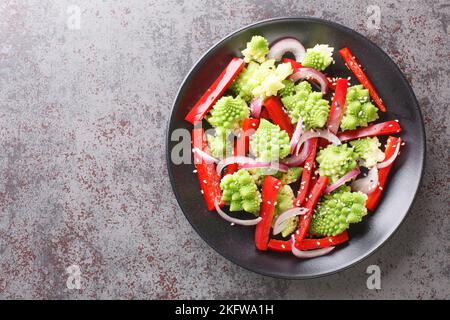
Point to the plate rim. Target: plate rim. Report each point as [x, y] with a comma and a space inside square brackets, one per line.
[333, 24]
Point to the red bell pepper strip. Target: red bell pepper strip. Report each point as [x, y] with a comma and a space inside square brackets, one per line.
[379, 129]
[337, 106]
[242, 144]
[331, 82]
[206, 172]
[374, 197]
[270, 189]
[265, 114]
[248, 128]
[308, 170]
[277, 114]
[215, 91]
[308, 244]
[311, 203]
[353, 65]
[234, 167]
[294, 64]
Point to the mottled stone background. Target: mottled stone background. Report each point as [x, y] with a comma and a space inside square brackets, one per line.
[82, 133]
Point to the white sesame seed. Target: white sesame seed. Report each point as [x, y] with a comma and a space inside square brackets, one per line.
[318, 243]
[232, 224]
[195, 171]
[381, 188]
[283, 246]
[202, 191]
[205, 182]
[269, 203]
[331, 241]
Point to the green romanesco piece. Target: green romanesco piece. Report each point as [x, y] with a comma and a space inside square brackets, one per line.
[289, 88]
[269, 142]
[228, 113]
[307, 104]
[257, 50]
[337, 210]
[319, 57]
[335, 161]
[359, 111]
[219, 144]
[285, 201]
[240, 192]
[368, 149]
[251, 77]
[273, 82]
[291, 176]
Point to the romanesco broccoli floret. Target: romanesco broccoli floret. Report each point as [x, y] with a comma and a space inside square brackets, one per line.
[257, 50]
[228, 113]
[291, 176]
[251, 77]
[273, 82]
[269, 142]
[240, 192]
[259, 174]
[285, 201]
[368, 149]
[335, 161]
[337, 210]
[308, 105]
[261, 80]
[359, 111]
[319, 57]
[289, 88]
[219, 144]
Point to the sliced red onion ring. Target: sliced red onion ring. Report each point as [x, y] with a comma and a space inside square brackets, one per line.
[297, 134]
[352, 174]
[311, 74]
[241, 222]
[256, 106]
[202, 154]
[310, 253]
[389, 161]
[367, 184]
[298, 159]
[282, 219]
[230, 160]
[321, 133]
[269, 165]
[279, 48]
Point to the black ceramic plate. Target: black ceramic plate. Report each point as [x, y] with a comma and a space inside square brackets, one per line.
[236, 242]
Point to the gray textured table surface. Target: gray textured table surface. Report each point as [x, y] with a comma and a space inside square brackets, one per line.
[82, 174]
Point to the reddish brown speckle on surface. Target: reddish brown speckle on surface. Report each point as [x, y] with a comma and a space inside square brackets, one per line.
[82, 131]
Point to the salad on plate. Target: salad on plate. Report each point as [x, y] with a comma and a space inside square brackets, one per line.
[293, 146]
